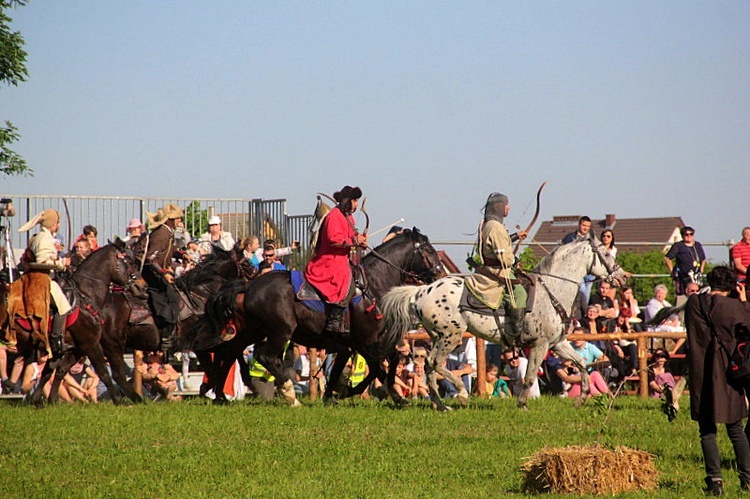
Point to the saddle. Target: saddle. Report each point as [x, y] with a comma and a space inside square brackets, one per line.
[310, 297]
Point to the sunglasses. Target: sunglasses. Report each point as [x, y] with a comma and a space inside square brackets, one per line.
[269, 256]
[606, 235]
[689, 233]
[420, 356]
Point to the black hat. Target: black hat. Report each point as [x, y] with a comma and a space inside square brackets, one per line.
[347, 192]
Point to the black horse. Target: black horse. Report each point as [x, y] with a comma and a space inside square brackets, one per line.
[267, 314]
[92, 288]
[124, 329]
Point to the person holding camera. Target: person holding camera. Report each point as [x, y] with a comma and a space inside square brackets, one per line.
[689, 262]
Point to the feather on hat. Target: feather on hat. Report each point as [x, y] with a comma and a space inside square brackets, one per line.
[46, 219]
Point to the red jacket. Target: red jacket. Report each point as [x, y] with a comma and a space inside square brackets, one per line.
[328, 270]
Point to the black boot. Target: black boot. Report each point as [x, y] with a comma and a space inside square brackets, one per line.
[514, 323]
[335, 320]
[714, 487]
[57, 334]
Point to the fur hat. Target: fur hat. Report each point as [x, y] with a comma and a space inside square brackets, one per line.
[46, 219]
[347, 192]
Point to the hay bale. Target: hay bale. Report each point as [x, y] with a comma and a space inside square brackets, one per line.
[592, 469]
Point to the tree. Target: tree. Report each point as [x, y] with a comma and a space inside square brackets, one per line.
[12, 71]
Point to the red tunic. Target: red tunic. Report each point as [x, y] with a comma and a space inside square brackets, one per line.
[328, 270]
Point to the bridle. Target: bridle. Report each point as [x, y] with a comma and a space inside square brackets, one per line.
[421, 251]
[565, 316]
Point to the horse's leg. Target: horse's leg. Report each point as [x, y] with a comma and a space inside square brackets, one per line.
[565, 351]
[93, 350]
[62, 367]
[536, 356]
[436, 365]
[338, 367]
[270, 355]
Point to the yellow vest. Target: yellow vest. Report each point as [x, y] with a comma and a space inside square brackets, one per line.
[359, 370]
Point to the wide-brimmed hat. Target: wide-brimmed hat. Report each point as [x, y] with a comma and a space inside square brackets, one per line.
[169, 212]
[347, 192]
[46, 219]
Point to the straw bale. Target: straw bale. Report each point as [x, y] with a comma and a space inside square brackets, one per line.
[592, 469]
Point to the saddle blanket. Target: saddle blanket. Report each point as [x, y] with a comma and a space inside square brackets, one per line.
[471, 303]
[308, 295]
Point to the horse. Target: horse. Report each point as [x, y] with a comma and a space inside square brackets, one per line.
[90, 286]
[556, 279]
[267, 314]
[194, 288]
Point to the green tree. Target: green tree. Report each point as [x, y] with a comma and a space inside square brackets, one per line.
[649, 265]
[196, 219]
[12, 71]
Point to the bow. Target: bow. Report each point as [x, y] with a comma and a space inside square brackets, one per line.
[70, 230]
[367, 217]
[536, 215]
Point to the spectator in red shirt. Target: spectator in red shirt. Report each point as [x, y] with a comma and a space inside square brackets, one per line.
[741, 254]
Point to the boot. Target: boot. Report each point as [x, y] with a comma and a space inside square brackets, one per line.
[514, 323]
[714, 486]
[335, 320]
[57, 334]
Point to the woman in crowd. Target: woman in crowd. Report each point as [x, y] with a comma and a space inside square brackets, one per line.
[608, 240]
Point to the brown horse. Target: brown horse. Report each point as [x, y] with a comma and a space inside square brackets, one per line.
[90, 287]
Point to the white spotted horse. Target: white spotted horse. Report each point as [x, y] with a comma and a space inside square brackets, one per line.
[556, 278]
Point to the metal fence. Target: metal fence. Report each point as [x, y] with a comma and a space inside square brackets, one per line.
[264, 218]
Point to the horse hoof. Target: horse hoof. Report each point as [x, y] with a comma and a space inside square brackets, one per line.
[402, 402]
[330, 401]
[463, 397]
[220, 401]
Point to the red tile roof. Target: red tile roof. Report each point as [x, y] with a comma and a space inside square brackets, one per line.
[659, 230]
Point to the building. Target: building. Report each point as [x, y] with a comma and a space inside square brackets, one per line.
[631, 234]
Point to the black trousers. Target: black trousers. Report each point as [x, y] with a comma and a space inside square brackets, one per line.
[710, 449]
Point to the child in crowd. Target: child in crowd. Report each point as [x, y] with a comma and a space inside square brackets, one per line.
[160, 376]
[495, 386]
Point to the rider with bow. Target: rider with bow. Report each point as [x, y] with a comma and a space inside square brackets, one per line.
[494, 283]
[329, 269]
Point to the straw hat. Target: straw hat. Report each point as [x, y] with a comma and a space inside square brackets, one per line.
[169, 212]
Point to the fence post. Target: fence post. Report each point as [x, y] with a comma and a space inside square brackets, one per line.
[642, 367]
[312, 379]
[481, 367]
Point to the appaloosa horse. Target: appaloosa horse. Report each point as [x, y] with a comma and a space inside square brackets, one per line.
[268, 314]
[557, 278]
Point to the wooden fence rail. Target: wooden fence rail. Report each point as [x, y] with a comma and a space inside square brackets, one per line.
[640, 338]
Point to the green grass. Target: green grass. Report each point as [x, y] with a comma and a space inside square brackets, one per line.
[358, 449]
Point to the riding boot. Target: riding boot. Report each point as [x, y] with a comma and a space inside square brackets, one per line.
[514, 323]
[335, 319]
[57, 334]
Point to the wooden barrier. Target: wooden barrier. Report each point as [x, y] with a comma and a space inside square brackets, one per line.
[639, 338]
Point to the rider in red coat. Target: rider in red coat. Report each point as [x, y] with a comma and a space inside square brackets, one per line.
[329, 269]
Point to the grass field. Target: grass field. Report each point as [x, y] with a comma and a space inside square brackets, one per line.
[358, 449]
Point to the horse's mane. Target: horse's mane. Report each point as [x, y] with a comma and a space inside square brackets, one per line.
[93, 260]
[206, 269]
[561, 251]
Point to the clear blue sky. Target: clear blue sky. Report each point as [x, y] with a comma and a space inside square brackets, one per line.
[637, 108]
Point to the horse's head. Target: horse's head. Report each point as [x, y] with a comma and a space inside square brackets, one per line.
[603, 264]
[125, 271]
[423, 263]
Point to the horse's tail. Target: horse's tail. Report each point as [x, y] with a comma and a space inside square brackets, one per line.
[663, 314]
[398, 317]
